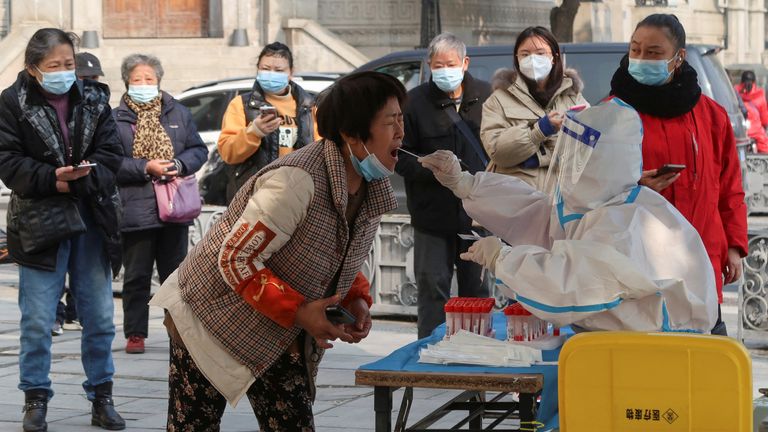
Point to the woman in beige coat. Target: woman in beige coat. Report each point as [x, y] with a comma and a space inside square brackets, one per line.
[522, 117]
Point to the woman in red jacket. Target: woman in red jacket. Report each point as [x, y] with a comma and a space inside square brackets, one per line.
[757, 108]
[682, 126]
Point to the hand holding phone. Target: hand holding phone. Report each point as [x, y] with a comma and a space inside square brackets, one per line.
[338, 315]
[266, 110]
[669, 168]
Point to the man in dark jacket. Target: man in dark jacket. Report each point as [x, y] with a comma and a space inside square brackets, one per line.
[442, 114]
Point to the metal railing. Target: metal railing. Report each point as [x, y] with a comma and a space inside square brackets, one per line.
[5, 18]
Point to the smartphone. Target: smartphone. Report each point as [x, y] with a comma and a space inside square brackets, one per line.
[84, 165]
[669, 168]
[577, 108]
[338, 315]
[266, 110]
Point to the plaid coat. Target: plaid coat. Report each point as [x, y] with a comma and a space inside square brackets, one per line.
[321, 245]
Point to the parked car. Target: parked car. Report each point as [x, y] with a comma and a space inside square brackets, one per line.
[208, 101]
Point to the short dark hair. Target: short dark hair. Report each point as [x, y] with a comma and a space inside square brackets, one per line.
[46, 39]
[277, 49]
[352, 102]
[555, 78]
[667, 22]
[748, 75]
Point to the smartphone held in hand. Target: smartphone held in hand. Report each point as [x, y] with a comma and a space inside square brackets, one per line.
[266, 110]
[669, 168]
[338, 315]
[84, 165]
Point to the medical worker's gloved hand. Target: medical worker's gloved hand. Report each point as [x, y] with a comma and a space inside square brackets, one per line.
[445, 166]
[484, 252]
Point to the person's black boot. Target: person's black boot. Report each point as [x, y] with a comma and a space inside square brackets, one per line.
[103, 412]
[35, 408]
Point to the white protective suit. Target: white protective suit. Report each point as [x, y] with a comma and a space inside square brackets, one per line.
[605, 253]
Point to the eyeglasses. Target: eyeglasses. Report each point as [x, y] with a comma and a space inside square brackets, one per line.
[523, 55]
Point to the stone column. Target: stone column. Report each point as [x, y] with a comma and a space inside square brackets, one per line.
[756, 31]
[738, 26]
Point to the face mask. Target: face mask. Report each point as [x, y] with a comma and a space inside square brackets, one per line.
[448, 79]
[650, 72]
[57, 83]
[142, 93]
[536, 67]
[272, 82]
[370, 168]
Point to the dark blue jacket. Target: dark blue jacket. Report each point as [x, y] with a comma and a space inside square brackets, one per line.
[136, 191]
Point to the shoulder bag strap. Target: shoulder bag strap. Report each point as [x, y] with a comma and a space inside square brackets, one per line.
[450, 109]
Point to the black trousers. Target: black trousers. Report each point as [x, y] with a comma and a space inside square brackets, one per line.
[166, 246]
[719, 328]
[68, 311]
[280, 397]
[434, 256]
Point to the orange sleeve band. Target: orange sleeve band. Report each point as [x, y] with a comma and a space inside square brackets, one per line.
[361, 288]
[272, 297]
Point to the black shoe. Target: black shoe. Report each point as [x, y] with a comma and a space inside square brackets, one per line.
[103, 412]
[35, 408]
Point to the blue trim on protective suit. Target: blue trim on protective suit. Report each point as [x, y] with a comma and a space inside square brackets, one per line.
[589, 137]
[633, 195]
[565, 219]
[665, 321]
[565, 309]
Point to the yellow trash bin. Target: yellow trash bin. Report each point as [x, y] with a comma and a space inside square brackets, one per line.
[629, 381]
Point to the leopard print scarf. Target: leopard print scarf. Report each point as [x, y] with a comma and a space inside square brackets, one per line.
[150, 141]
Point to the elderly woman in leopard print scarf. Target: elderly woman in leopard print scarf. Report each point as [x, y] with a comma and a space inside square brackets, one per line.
[160, 141]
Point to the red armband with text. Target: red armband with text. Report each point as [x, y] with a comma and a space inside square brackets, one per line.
[271, 296]
[361, 288]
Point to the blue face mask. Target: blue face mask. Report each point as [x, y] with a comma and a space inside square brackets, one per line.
[142, 93]
[369, 168]
[272, 82]
[650, 72]
[448, 79]
[57, 83]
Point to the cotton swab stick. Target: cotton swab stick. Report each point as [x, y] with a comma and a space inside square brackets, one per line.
[417, 156]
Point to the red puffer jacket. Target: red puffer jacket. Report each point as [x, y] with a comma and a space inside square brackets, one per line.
[757, 110]
[709, 192]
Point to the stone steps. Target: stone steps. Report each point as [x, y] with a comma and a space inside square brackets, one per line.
[186, 62]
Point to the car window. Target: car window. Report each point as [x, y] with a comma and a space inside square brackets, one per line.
[704, 80]
[722, 91]
[483, 67]
[408, 73]
[208, 109]
[596, 70]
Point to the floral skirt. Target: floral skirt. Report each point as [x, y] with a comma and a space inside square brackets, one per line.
[280, 398]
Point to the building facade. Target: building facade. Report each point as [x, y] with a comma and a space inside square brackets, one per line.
[736, 25]
[204, 40]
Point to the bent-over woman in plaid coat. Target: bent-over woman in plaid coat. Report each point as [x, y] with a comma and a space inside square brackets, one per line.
[246, 309]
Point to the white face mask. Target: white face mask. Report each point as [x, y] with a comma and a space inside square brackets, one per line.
[535, 66]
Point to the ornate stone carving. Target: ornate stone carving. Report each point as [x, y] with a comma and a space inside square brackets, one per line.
[393, 23]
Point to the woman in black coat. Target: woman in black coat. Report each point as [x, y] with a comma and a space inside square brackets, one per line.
[160, 142]
[59, 153]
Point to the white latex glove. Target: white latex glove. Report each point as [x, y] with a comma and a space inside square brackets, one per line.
[484, 252]
[445, 166]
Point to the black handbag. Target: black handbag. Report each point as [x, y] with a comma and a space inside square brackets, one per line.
[213, 183]
[42, 223]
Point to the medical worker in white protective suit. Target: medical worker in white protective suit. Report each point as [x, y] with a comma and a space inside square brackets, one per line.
[605, 253]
